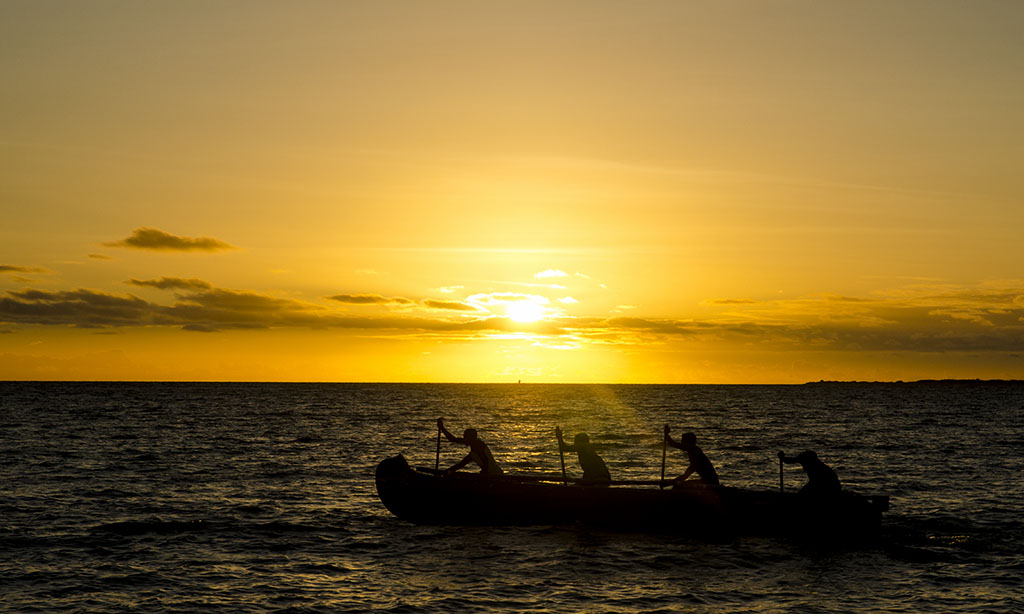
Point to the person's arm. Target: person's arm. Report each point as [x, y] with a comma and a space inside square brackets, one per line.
[689, 471]
[447, 435]
[459, 465]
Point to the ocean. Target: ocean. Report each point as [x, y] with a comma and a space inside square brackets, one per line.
[223, 497]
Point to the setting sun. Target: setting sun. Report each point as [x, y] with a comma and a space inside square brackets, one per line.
[525, 311]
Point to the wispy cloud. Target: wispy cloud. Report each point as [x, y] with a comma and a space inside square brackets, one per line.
[449, 305]
[503, 298]
[154, 239]
[169, 283]
[13, 268]
[730, 301]
[550, 273]
[370, 299]
[100, 257]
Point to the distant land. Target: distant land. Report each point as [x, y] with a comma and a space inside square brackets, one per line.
[922, 381]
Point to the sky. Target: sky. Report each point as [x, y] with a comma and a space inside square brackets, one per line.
[640, 192]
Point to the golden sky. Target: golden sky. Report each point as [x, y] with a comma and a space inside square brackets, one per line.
[679, 191]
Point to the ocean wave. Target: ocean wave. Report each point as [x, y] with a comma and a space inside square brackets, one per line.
[160, 527]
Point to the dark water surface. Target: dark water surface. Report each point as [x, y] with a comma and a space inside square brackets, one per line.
[135, 497]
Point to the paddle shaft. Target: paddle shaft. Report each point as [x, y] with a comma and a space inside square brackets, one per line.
[664, 450]
[782, 488]
[561, 457]
[437, 456]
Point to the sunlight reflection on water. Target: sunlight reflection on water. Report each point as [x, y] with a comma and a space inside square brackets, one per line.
[260, 497]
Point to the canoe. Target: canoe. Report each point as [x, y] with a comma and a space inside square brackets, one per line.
[420, 496]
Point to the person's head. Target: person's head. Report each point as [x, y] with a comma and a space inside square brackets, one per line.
[807, 456]
[581, 439]
[688, 440]
[469, 434]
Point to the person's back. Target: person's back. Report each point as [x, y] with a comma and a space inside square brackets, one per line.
[821, 479]
[702, 465]
[479, 452]
[699, 462]
[594, 469]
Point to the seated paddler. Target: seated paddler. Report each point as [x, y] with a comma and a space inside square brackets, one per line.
[699, 462]
[595, 472]
[479, 453]
[822, 481]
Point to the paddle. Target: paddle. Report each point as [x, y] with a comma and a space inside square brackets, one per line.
[437, 456]
[664, 450]
[781, 487]
[561, 454]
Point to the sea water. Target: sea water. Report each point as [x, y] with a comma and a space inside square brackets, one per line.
[210, 497]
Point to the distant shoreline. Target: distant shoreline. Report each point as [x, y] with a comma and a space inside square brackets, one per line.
[921, 381]
[951, 382]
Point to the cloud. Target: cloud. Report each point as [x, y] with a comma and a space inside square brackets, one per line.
[217, 309]
[82, 308]
[730, 301]
[503, 298]
[151, 238]
[13, 268]
[100, 257]
[550, 273]
[167, 283]
[449, 289]
[969, 319]
[450, 305]
[370, 299]
[568, 300]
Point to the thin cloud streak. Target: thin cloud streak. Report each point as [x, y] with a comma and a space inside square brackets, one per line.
[167, 283]
[158, 240]
[13, 268]
[370, 299]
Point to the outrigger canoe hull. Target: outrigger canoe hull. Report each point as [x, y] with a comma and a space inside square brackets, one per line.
[420, 497]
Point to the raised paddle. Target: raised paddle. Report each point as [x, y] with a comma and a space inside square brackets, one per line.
[781, 487]
[437, 456]
[664, 449]
[561, 454]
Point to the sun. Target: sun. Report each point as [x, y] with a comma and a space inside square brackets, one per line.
[525, 311]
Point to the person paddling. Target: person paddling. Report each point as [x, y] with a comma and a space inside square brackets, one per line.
[699, 462]
[479, 453]
[822, 481]
[595, 472]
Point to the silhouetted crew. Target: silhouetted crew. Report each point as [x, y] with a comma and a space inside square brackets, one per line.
[821, 479]
[595, 472]
[699, 462]
[479, 453]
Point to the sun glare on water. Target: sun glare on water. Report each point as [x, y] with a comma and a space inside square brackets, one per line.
[525, 311]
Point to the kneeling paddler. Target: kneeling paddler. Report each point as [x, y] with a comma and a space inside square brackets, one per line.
[479, 453]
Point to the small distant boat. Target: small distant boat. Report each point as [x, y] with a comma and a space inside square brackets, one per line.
[421, 496]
